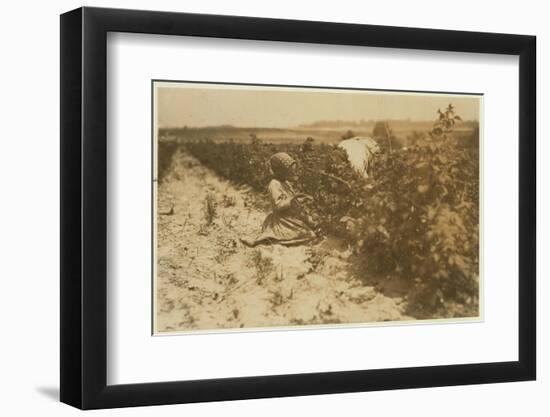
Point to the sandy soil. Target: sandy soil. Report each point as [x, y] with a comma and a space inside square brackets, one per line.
[206, 279]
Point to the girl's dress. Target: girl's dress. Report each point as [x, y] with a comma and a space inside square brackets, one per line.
[285, 225]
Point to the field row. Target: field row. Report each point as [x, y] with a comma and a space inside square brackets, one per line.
[417, 216]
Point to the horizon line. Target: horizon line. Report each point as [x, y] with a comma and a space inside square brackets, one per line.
[309, 125]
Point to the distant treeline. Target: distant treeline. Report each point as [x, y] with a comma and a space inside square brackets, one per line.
[402, 131]
[401, 124]
[364, 124]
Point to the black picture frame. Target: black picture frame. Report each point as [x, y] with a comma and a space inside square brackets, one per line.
[84, 207]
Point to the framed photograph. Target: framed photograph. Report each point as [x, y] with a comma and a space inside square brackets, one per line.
[257, 208]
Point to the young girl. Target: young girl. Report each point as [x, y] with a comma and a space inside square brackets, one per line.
[287, 224]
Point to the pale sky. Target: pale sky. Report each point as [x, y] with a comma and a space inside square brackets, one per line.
[198, 105]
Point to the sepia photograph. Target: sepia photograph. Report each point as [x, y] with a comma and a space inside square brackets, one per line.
[281, 207]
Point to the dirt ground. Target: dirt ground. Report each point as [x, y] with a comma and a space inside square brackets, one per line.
[207, 279]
